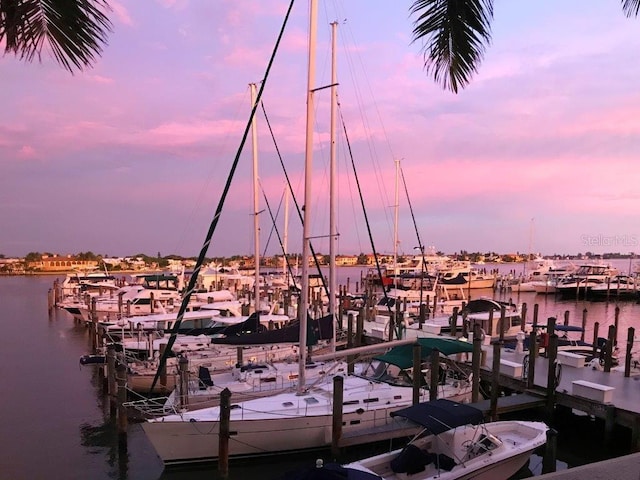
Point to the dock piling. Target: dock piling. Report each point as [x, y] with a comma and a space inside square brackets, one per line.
[549, 458]
[475, 363]
[336, 428]
[223, 435]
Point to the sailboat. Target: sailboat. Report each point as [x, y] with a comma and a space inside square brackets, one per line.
[290, 422]
[302, 420]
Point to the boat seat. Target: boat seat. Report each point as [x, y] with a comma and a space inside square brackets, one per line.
[411, 460]
[204, 377]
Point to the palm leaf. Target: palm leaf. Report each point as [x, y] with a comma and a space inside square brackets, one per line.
[455, 35]
[74, 30]
[631, 7]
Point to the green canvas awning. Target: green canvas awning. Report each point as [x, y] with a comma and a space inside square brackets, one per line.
[402, 356]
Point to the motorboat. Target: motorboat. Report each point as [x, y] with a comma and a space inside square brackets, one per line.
[619, 287]
[587, 276]
[294, 421]
[454, 444]
[468, 278]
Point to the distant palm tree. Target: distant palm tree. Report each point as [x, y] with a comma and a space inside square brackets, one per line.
[74, 30]
[455, 35]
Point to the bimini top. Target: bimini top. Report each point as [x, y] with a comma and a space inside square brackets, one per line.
[441, 415]
[402, 356]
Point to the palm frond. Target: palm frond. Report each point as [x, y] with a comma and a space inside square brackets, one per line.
[455, 35]
[631, 7]
[74, 30]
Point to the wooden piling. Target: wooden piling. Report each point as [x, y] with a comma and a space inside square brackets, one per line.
[112, 386]
[417, 372]
[490, 324]
[596, 327]
[536, 307]
[616, 323]
[503, 314]
[475, 364]
[609, 422]
[359, 328]
[435, 374]
[584, 324]
[453, 322]
[336, 428]
[631, 332]
[552, 353]
[566, 318]
[533, 354]
[121, 379]
[350, 358]
[223, 434]
[495, 380]
[422, 317]
[524, 316]
[550, 449]
[239, 353]
[608, 354]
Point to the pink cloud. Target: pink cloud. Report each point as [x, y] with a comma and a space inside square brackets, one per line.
[27, 153]
[121, 13]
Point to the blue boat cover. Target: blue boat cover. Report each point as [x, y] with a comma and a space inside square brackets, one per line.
[441, 415]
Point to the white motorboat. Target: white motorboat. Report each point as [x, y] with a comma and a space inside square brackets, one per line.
[289, 422]
[455, 444]
[581, 281]
[619, 287]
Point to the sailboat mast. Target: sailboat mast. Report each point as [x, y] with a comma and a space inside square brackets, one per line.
[333, 233]
[256, 219]
[306, 223]
[395, 227]
[285, 237]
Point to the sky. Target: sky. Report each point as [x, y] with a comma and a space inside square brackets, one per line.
[537, 154]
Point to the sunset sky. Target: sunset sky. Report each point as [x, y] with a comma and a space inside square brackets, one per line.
[131, 156]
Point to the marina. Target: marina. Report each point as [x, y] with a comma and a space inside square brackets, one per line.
[77, 418]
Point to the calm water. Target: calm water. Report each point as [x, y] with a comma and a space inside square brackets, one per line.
[53, 421]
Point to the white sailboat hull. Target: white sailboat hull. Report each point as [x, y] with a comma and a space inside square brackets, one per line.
[284, 423]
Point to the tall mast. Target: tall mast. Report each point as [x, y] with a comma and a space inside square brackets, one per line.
[333, 233]
[396, 206]
[256, 219]
[285, 237]
[306, 223]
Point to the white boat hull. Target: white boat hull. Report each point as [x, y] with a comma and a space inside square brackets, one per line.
[516, 442]
[196, 442]
[283, 423]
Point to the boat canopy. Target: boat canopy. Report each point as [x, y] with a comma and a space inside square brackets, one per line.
[402, 356]
[441, 415]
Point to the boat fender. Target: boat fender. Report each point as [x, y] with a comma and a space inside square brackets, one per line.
[544, 339]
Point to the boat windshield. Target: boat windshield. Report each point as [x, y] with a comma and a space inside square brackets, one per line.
[385, 372]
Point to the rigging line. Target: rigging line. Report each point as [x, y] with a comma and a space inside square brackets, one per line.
[413, 218]
[366, 123]
[214, 222]
[275, 228]
[273, 222]
[295, 202]
[366, 218]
